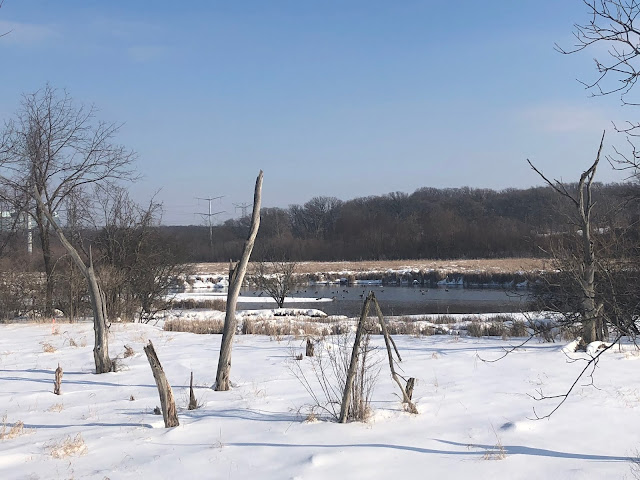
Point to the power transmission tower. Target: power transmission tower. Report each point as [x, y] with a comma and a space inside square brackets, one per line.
[209, 217]
[244, 207]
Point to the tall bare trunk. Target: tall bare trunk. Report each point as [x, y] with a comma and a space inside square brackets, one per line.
[45, 243]
[236, 276]
[167, 402]
[100, 327]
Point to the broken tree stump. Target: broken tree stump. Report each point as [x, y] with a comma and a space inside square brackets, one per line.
[58, 381]
[409, 388]
[167, 402]
[310, 348]
[193, 403]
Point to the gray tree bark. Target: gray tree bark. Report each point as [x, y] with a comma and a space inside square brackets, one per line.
[593, 327]
[346, 396]
[167, 403]
[57, 384]
[100, 328]
[236, 277]
[353, 364]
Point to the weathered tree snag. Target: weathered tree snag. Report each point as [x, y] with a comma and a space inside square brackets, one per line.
[168, 404]
[236, 277]
[58, 381]
[593, 328]
[100, 328]
[409, 388]
[193, 403]
[353, 365]
[406, 398]
[310, 348]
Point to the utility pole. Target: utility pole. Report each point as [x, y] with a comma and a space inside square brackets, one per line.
[244, 207]
[209, 216]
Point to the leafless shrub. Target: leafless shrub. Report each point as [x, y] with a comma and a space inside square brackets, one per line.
[495, 329]
[48, 348]
[544, 330]
[210, 326]
[475, 328]
[518, 329]
[325, 382]
[128, 351]
[299, 356]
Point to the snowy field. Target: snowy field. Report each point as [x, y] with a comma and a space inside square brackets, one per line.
[473, 422]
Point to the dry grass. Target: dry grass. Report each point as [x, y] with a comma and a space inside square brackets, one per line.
[190, 304]
[497, 452]
[48, 348]
[8, 432]
[68, 447]
[499, 265]
[128, 351]
[57, 407]
[211, 326]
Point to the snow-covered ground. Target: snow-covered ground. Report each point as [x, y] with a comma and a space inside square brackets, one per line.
[102, 426]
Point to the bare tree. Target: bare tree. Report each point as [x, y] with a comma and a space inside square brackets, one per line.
[236, 276]
[612, 24]
[582, 203]
[137, 265]
[53, 147]
[277, 278]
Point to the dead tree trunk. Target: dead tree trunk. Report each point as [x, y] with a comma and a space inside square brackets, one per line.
[591, 315]
[406, 398]
[236, 277]
[353, 364]
[57, 384]
[409, 388]
[101, 347]
[167, 403]
[193, 403]
[309, 350]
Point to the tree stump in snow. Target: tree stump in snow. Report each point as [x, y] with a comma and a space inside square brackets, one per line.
[58, 381]
[409, 388]
[193, 403]
[310, 347]
[167, 402]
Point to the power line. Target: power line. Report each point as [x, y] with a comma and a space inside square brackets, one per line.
[244, 207]
[209, 216]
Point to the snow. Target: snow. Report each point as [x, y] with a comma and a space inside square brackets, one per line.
[468, 408]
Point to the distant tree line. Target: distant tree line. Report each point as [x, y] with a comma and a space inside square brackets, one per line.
[429, 223]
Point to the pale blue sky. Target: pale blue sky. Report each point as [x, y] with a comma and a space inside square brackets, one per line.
[333, 97]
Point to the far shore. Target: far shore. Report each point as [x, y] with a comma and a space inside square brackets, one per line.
[493, 265]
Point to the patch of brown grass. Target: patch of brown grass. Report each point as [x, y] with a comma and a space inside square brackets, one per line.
[48, 348]
[8, 432]
[57, 407]
[210, 326]
[68, 446]
[493, 265]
